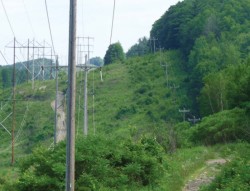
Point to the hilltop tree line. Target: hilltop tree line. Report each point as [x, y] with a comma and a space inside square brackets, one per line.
[23, 72]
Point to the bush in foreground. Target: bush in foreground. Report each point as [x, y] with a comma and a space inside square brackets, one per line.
[101, 164]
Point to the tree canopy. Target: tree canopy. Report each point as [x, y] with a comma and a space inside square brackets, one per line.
[96, 61]
[140, 48]
[114, 53]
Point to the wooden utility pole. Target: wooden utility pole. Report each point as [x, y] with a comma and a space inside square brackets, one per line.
[194, 120]
[86, 67]
[164, 65]
[174, 87]
[70, 151]
[153, 39]
[43, 61]
[56, 103]
[33, 67]
[184, 111]
[14, 104]
[51, 63]
[85, 128]
[27, 71]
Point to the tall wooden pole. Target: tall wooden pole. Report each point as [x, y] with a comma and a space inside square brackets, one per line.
[56, 103]
[85, 128]
[70, 152]
[14, 104]
[33, 67]
[27, 73]
[51, 62]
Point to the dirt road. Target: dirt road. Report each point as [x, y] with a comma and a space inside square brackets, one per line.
[61, 118]
[205, 175]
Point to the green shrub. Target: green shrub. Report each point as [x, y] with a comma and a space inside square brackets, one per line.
[223, 127]
[100, 164]
[183, 134]
[125, 111]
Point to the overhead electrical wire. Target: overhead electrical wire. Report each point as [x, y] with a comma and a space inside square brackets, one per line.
[28, 17]
[19, 132]
[112, 25]
[82, 18]
[4, 57]
[1, 123]
[51, 37]
[8, 19]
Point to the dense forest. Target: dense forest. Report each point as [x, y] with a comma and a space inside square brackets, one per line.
[163, 110]
[213, 37]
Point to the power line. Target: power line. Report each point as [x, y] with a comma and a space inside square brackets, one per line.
[82, 18]
[8, 18]
[4, 57]
[1, 123]
[112, 23]
[27, 14]
[46, 6]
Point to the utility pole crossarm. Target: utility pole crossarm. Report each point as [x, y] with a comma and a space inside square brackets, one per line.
[194, 120]
[184, 111]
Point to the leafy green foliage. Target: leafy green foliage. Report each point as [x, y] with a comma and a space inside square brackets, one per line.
[100, 164]
[211, 37]
[96, 61]
[140, 48]
[183, 133]
[6, 74]
[114, 53]
[226, 89]
[187, 20]
[223, 127]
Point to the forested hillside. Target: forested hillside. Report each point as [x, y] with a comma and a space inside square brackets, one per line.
[157, 117]
[214, 39]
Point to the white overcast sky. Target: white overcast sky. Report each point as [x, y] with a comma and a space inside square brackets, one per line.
[133, 19]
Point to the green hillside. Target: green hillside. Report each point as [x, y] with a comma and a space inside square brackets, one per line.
[139, 138]
[138, 94]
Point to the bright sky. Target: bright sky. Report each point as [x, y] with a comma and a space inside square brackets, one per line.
[133, 20]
